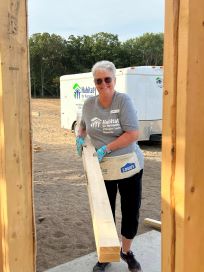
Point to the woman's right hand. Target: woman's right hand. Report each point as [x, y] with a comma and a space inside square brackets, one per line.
[79, 144]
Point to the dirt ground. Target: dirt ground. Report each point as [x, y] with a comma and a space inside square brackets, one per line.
[62, 215]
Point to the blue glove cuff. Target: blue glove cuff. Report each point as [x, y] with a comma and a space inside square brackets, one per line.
[101, 152]
[79, 144]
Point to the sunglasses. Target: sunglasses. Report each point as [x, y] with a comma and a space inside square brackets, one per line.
[99, 81]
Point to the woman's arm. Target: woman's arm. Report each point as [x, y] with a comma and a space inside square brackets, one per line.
[81, 132]
[124, 140]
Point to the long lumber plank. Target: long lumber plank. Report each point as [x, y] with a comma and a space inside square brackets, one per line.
[106, 238]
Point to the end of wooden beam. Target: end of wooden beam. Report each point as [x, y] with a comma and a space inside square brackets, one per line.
[109, 257]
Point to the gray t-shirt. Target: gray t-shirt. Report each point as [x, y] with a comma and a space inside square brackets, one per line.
[105, 125]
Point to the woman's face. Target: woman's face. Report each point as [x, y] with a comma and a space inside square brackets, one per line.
[104, 81]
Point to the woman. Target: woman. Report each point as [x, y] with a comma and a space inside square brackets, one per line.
[111, 122]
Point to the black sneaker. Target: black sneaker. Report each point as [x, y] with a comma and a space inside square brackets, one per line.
[129, 258]
[100, 266]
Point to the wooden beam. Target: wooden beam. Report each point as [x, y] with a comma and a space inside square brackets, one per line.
[182, 146]
[17, 249]
[106, 238]
[152, 223]
[169, 134]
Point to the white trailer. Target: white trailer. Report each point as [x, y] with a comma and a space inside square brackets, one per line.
[144, 84]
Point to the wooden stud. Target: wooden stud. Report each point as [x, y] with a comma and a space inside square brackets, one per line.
[17, 247]
[169, 134]
[182, 146]
[106, 238]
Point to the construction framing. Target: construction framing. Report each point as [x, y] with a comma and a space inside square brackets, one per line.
[182, 143]
[182, 139]
[17, 248]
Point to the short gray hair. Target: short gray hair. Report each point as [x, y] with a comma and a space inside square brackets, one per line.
[104, 65]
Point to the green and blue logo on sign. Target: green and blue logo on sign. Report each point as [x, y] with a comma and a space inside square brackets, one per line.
[77, 91]
[83, 92]
[159, 82]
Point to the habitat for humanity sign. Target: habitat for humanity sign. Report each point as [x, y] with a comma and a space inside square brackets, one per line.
[82, 93]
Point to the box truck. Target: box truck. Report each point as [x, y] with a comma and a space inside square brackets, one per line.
[144, 84]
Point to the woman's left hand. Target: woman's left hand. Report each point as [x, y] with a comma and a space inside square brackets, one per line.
[101, 152]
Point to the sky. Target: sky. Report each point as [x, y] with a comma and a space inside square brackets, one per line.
[125, 18]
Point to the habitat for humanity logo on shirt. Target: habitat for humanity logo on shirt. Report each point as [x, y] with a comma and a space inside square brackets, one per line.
[96, 122]
[108, 126]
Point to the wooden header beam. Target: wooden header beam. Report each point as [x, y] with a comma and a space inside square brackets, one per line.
[183, 134]
[106, 238]
[17, 249]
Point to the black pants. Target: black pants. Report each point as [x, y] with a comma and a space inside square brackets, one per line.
[130, 190]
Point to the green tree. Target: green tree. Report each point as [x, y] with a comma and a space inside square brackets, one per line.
[84, 51]
[151, 47]
[52, 56]
[47, 58]
[106, 46]
[144, 50]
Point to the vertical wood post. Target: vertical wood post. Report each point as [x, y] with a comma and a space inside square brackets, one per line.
[17, 252]
[183, 134]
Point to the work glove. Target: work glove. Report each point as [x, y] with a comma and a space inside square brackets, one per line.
[79, 144]
[101, 152]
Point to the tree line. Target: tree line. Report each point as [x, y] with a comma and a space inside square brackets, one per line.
[52, 56]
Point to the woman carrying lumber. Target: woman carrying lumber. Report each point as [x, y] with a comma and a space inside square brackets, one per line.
[110, 120]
